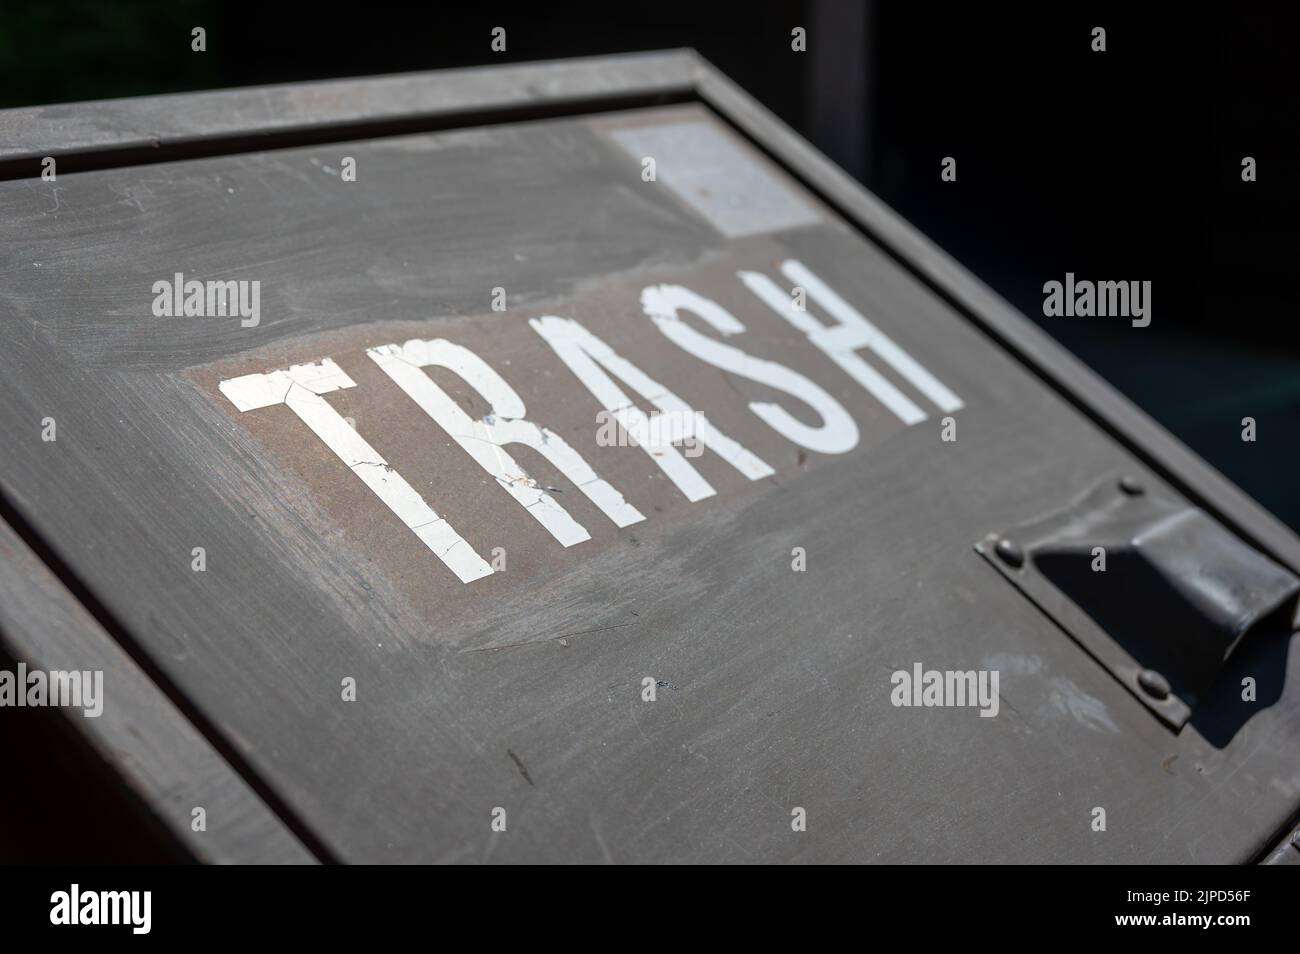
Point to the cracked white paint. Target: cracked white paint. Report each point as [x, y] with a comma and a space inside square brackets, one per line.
[609, 377]
[588, 357]
[838, 432]
[871, 379]
[483, 440]
[852, 332]
[300, 387]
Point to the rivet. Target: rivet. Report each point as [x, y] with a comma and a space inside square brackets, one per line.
[1009, 552]
[1131, 485]
[1153, 684]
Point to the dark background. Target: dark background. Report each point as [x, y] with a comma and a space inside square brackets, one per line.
[1122, 165]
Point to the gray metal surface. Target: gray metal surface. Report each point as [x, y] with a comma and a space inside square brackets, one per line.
[158, 122]
[139, 732]
[523, 691]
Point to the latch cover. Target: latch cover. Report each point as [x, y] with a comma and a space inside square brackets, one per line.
[1155, 590]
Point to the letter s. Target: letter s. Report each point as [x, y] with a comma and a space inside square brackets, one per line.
[837, 434]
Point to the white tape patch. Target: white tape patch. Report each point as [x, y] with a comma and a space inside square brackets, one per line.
[711, 173]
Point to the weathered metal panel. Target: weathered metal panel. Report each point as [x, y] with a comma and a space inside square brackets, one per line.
[523, 689]
[153, 123]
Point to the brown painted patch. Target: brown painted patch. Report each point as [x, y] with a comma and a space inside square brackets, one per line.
[481, 510]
